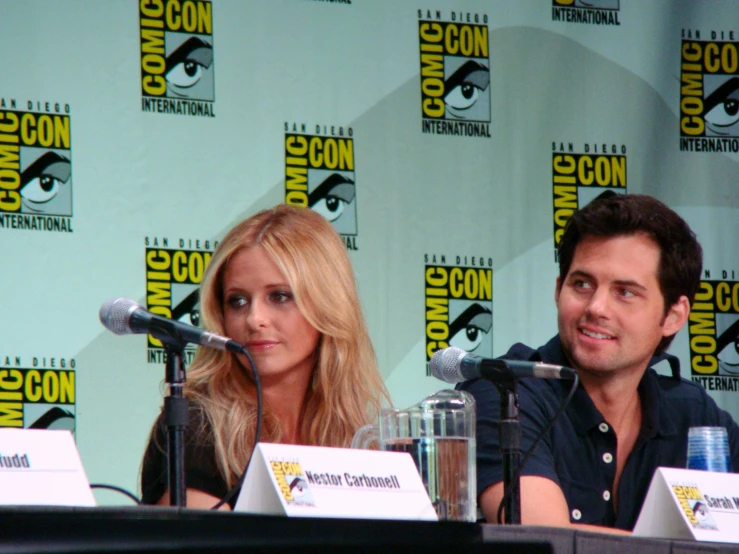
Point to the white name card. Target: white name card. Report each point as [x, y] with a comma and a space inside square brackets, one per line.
[312, 481]
[40, 467]
[690, 504]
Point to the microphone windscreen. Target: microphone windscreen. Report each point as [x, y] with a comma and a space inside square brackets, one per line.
[444, 364]
[115, 315]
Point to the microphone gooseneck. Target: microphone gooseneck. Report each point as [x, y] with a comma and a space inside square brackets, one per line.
[124, 316]
[454, 365]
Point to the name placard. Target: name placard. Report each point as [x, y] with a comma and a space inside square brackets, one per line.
[690, 504]
[312, 481]
[40, 467]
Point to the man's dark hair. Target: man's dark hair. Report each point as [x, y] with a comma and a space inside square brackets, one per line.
[681, 256]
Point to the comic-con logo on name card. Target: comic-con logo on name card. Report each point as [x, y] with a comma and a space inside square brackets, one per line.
[580, 175]
[592, 12]
[35, 166]
[174, 271]
[177, 66]
[320, 175]
[455, 73]
[695, 505]
[37, 395]
[713, 328]
[709, 92]
[459, 303]
[292, 482]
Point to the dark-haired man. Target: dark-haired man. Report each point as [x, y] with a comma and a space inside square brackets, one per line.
[629, 271]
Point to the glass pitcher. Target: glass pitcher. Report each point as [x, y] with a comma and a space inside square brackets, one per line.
[439, 434]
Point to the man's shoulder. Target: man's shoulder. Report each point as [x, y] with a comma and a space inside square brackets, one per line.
[684, 398]
[679, 388]
[550, 352]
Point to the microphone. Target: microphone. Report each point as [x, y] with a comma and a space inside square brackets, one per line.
[454, 365]
[123, 316]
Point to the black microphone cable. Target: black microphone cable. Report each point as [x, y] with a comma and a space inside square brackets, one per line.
[519, 470]
[121, 490]
[258, 385]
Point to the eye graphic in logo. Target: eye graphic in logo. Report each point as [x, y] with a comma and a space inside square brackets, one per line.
[44, 188]
[188, 310]
[56, 418]
[727, 349]
[700, 510]
[189, 71]
[463, 91]
[298, 487]
[721, 108]
[332, 196]
[470, 327]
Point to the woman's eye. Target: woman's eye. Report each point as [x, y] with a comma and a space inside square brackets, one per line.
[237, 301]
[281, 297]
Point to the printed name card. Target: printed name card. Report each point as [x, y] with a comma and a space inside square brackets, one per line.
[690, 504]
[39, 467]
[311, 481]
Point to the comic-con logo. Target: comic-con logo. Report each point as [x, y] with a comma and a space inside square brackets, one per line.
[694, 505]
[455, 74]
[292, 482]
[713, 328]
[459, 304]
[39, 396]
[709, 94]
[594, 12]
[173, 276]
[320, 175]
[177, 67]
[35, 167]
[578, 178]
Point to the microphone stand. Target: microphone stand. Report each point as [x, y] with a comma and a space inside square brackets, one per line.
[175, 419]
[509, 434]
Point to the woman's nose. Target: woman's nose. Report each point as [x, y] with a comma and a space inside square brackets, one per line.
[257, 315]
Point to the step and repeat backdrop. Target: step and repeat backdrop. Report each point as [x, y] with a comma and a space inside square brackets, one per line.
[447, 141]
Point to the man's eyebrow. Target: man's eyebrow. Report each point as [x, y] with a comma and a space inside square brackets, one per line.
[621, 282]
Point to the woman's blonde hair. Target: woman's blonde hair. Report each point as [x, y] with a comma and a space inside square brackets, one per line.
[347, 389]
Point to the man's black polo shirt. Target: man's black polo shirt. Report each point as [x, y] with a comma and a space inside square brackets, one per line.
[579, 453]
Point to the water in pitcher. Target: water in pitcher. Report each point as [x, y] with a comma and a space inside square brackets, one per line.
[447, 469]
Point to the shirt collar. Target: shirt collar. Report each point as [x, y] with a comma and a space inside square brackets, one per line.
[584, 415]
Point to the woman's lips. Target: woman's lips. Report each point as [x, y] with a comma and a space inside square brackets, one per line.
[260, 345]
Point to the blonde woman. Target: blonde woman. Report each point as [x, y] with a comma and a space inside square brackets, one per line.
[281, 284]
